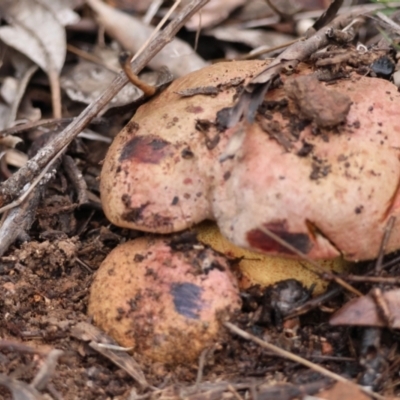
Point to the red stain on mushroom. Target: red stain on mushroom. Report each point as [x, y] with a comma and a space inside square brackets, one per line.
[146, 149]
[187, 181]
[261, 241]
[194, 109]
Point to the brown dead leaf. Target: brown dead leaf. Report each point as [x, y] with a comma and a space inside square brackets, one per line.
[86, 81]
[342, 391]
[131, 5]
[36, 30]
[364, 311]
[132, 33]
[212, 13]
[251, 37]
[13, 90]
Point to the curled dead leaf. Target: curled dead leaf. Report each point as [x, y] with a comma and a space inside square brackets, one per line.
[366, 311]
[132, 33]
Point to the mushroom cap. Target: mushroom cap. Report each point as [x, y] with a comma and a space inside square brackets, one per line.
[169, 305]
[333, 199]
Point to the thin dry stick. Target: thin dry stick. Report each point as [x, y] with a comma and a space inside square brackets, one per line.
[157, 29]
[54, 80]
[34, 183]
[388, 21]
[152, 11]
[196, 40]
[259, 52]
[388, 280]
[235, 392]
[293, 249]
[300, 360]
[11, 189]
[202, 362]
[41, 123]
[90, 57]
[385, 240]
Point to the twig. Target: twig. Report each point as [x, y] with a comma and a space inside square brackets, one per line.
[385, 240]
[19, 389]
[41, 123]
[152, 11]
[12, 188]
[34, 183]
[47, 369]
[17, 347]
[391, 23]
[76, 178]
[55, 87]
[202, 363]
[90, 57]
[261, 51]
[390, 280]
[300, 360]
[235, 392]
[157, 29]
[360, 10]
[18, 221]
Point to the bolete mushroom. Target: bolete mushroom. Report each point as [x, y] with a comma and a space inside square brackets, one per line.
[325, 184]
[319, 168]
[168, 304]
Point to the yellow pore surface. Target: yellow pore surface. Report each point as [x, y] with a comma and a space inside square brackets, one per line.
[267, 270]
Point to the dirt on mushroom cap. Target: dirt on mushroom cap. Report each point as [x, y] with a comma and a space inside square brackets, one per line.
[335, 198]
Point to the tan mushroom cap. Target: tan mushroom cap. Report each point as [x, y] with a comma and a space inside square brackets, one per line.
[168, 305]
[159, 175]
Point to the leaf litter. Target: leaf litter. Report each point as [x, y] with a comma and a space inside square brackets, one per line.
[52, 242]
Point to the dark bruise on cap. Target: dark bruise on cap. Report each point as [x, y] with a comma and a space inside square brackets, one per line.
[261, 241]
[187, 299]
[146, 149]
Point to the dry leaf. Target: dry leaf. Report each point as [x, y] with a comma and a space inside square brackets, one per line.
[36, 29]
[212, 13]
[342, 391]
[86, 81]
[251, 37]
[132, 33]
[13, 90]
[131, 5]
[364, 311]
